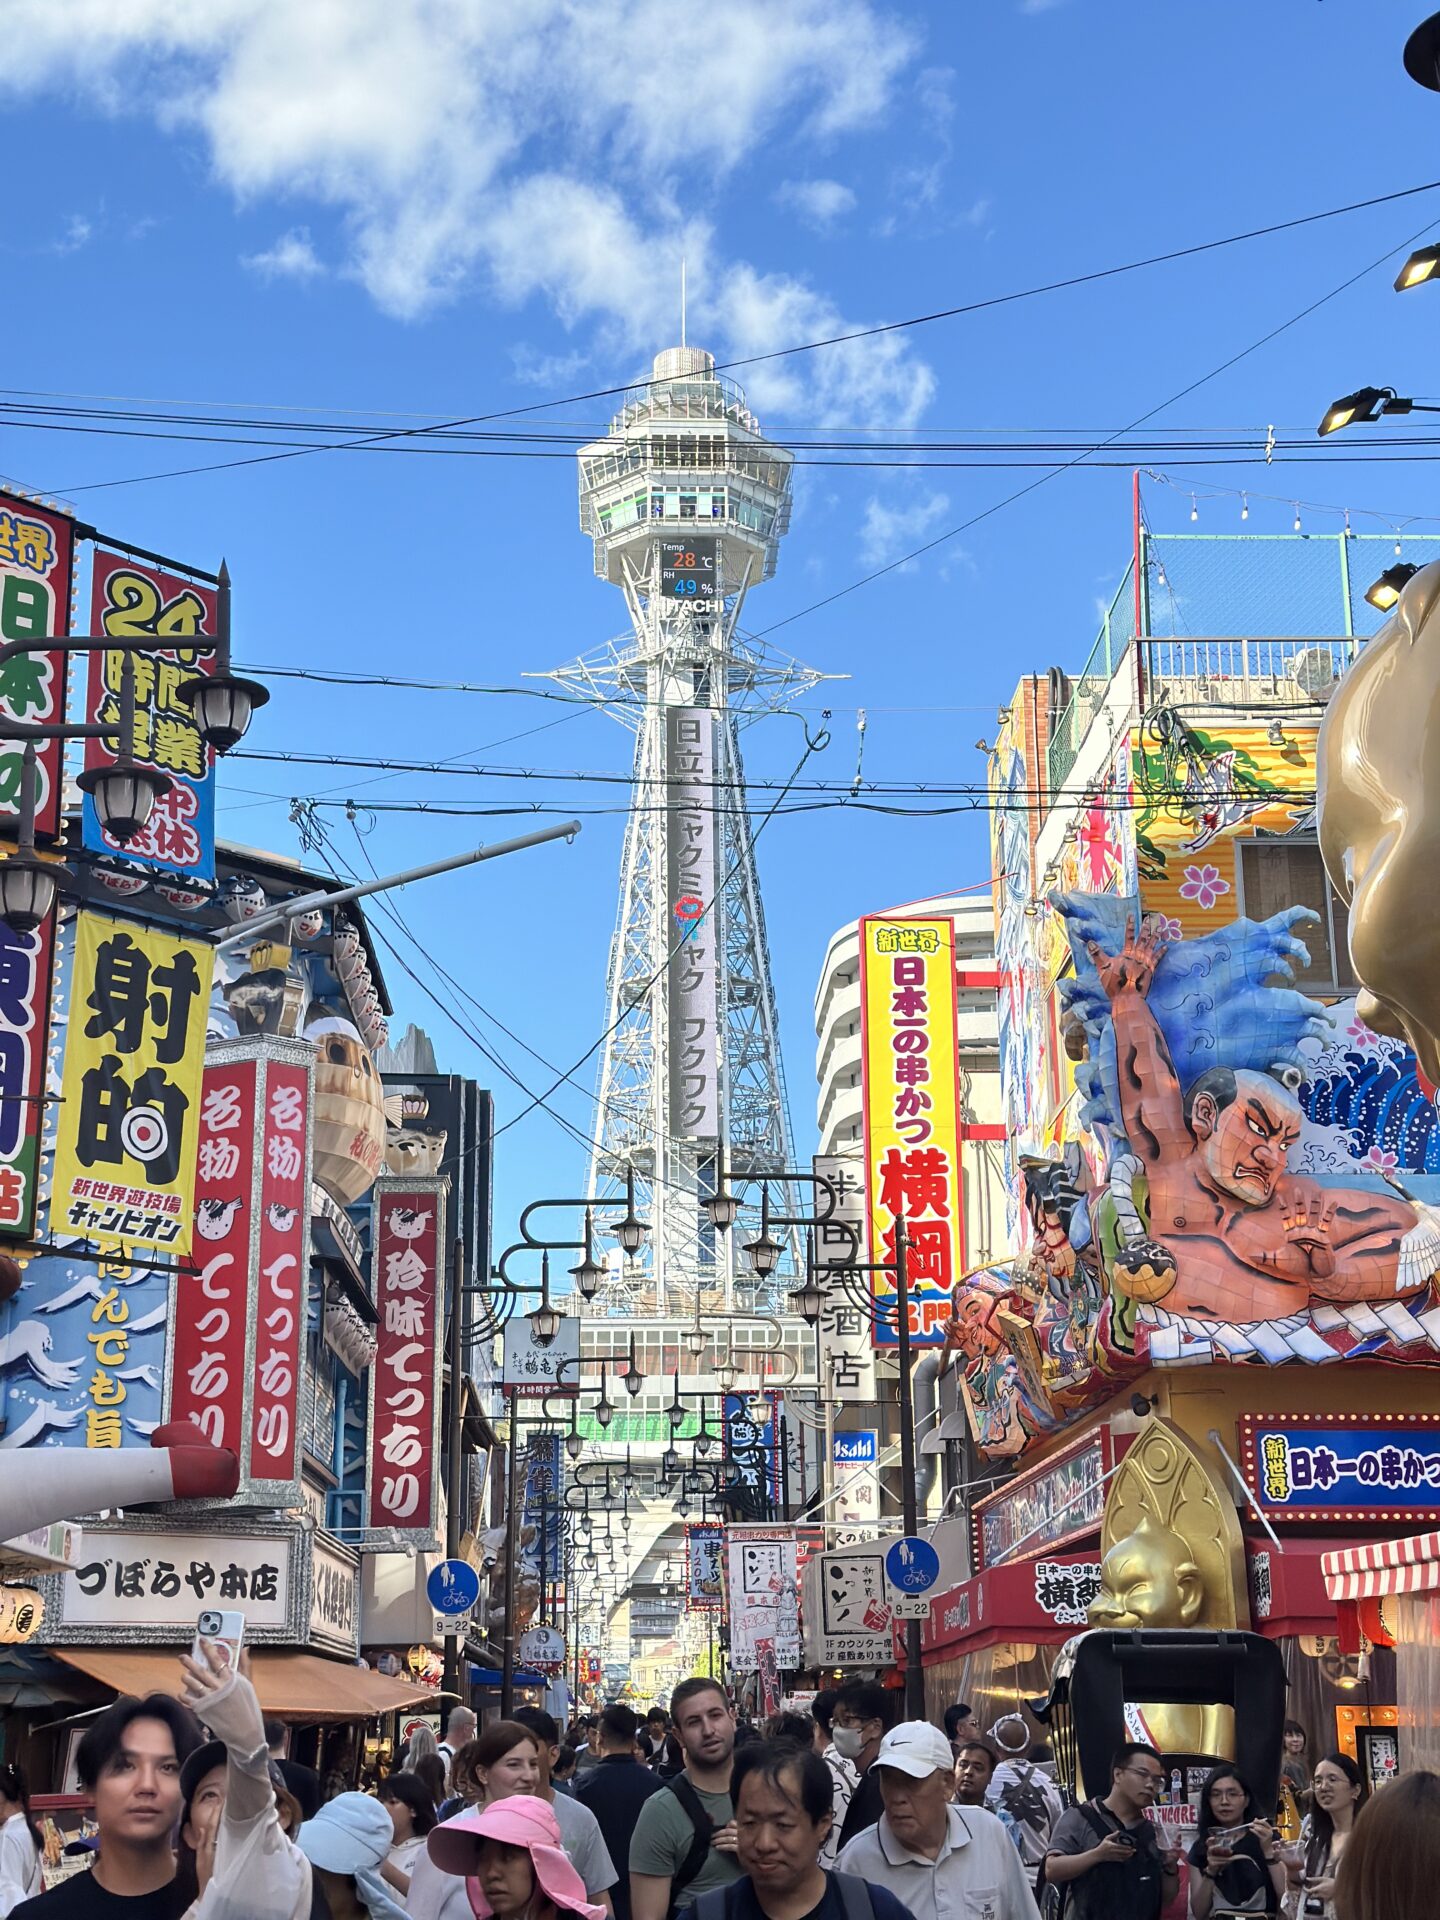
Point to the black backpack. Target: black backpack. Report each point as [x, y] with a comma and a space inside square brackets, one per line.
[699, 1846]
[1055, 1901]
[854, 1899]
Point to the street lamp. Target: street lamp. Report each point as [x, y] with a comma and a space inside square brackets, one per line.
[764, 1252]
[222, 702]
[808, 1300]
[675, 1412]
[634, 1378]
[28, 885]
[603, 1410]
[1419, 268]
[545, 1320]
[721, 1206]
[1384, 592]
[589, 1273]
[1365, 404]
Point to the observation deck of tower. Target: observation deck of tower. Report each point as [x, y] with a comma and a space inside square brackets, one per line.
[685, 502]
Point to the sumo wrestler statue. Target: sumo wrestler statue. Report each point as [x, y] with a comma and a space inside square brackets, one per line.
[1247, 1240]
[1172, 1556]
[1378, 815]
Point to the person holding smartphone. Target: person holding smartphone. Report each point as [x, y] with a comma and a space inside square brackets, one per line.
[1235, 1862]
[1108, 1854]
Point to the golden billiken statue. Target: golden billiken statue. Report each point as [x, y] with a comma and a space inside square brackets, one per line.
[1250, 1242]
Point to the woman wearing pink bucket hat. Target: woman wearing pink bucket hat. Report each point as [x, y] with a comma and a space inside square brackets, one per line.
[513, 1864]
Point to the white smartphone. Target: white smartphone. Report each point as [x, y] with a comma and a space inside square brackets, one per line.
[226, 1630]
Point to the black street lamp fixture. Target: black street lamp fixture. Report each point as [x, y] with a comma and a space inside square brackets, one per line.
[808, 1300]
[669, 1463]
[1365, 404]
[222, 702]
[1419, 268]
[603, 1410]
[675, 1412]
[721, 1206]
[545, 1320]
[574, 1442]
[764, 1253]
[634, 1378]
[28, 885]
[1383, 593]
[589, 1273]
[1422, 54]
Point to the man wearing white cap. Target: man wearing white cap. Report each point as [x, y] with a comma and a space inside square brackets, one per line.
[937, 1859]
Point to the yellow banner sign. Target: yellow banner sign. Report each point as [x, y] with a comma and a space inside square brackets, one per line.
[130, 1093]
[912, 1134]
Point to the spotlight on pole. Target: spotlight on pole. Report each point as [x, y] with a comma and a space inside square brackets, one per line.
[1365, 404]
[1383, 593]
[1419, 268]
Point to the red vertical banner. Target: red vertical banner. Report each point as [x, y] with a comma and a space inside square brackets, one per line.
[212, 1313]
[407, 1276]
[26, 984]
[282, 1272]
[37, 549]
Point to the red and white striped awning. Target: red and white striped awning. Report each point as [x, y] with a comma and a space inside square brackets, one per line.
[1389, 1566]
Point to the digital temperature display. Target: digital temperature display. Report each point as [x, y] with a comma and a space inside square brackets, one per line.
[687, 568]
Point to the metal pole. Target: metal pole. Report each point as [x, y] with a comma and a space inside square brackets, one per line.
[914, 1678]
[288, 909]
[512, 1550]
[452, 1474]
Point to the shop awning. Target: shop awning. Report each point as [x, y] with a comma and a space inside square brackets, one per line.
[1385, 1567]
[290, 1686]
[1042, 1601]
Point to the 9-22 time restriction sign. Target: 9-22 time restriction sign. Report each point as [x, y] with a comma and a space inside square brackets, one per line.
[687, 569]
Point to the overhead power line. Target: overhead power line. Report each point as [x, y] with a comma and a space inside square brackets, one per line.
[802, 347]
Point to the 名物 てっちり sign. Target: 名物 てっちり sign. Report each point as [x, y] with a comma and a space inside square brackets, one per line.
[407, 1238]
[912, 1135]
[36, 554]
[129, 601]
[237, 1324]
[1343, 1466]
[130, 1094]
[26, 976]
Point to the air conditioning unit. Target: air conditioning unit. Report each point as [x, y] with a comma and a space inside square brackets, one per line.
[1314, 670]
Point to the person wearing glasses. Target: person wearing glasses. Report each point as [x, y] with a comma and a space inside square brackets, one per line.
[1108, 1854]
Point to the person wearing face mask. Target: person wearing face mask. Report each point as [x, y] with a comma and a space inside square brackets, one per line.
[863, 1711]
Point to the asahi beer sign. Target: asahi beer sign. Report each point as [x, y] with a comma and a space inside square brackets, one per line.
[693, 1035]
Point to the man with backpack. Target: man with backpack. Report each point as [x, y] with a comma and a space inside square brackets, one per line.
[616, 1790]
[939, 1859]
[1106, 1855]
[782, 1815]
[684, 1840]
[1025, 1796]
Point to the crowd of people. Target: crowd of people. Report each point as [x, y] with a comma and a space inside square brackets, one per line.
[842, 1812]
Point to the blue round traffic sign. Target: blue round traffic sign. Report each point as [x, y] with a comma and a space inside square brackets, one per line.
[912, 1565]
[453, 1587]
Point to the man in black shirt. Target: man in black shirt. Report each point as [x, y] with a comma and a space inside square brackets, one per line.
[782, 1816]
[615, 1790]
[129, 1764]
[863, 1711]
[1106, 1851]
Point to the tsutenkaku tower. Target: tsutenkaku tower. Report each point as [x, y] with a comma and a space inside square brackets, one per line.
[686, 501]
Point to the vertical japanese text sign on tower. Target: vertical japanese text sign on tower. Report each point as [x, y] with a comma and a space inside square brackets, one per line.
[408, 1279]
[910, 1068]
[694, 1024]
[129, 1121]
[238, 1321]
[36, 554]
[128, 600]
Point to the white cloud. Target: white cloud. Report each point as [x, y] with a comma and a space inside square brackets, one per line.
[887, 532]
[819, 203]
[417, 124]
[291, 258]
[76, 235]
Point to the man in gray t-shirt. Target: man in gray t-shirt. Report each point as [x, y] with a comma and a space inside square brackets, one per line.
[664, 1833]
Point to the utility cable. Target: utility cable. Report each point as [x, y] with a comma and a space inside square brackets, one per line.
[808, 346]
[1033, 486]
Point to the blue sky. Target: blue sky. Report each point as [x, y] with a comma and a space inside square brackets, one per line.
[411, 209]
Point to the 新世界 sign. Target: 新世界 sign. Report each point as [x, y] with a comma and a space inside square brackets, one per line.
[1343, 1466]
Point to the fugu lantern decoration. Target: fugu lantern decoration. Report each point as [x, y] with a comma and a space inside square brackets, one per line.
[349, 1113]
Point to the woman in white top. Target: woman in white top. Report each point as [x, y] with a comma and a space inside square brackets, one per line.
[19, 1842]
